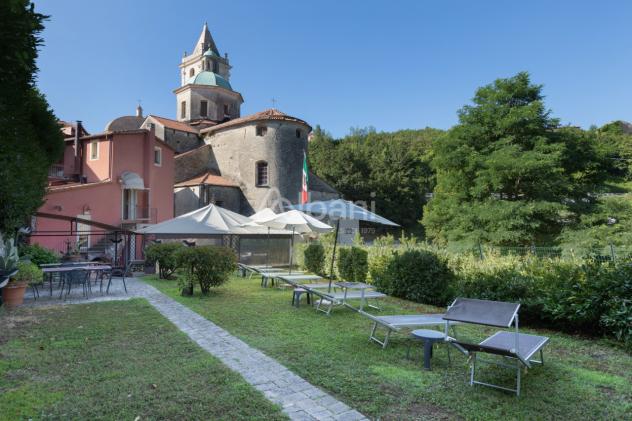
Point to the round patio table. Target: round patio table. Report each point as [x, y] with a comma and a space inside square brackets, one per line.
[430, 337]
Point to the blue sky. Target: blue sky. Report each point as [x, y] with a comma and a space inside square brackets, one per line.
[341, 64]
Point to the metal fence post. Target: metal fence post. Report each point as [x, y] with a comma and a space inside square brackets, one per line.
[480, 251]
[612, 252]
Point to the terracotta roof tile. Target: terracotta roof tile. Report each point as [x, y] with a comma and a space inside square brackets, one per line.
[209, 179]
[270, 114]
[173, 124]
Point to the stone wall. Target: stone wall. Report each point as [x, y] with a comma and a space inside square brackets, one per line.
[190, 198]
[237, 150]
[195, 162]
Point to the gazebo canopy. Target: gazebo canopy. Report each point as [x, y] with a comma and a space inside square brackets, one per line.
[209, 220]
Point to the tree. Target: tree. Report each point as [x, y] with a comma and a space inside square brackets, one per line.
[390, 169]
[30, 139]
[508, 173]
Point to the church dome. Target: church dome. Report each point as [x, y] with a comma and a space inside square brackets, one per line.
[210, 79]
[210, 53]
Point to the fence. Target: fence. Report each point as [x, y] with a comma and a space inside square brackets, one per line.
[604, 253]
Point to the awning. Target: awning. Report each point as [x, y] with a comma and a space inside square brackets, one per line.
[131, 180]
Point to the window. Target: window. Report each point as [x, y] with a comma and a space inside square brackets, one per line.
[203, 108]
[191, 72]
[183, 109]
[261, 173]
[157, 156]
[298, 133]
[94, 150]
[215, 67]
[261, 130]
[226, 109]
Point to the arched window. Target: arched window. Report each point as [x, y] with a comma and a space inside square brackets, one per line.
[192, 72]
[261, 173]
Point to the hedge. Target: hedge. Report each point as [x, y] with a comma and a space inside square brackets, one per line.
[165, 255]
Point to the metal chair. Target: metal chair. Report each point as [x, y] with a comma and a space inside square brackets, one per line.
[76, 276]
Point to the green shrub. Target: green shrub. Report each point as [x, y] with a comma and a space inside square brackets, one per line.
[314, 258]
[353, 264]
[28, 272]
[165, 255]
[417, 275]
[38, 254]
[209, 266]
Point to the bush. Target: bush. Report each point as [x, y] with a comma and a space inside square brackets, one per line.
[417, 275]
[28, 272]
[314, 258]
[209, 266]
[165, 255]
[353, 264]
[38, 254]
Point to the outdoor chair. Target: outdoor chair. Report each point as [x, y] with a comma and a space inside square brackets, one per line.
[517, 349]
[74, 277]
[119, 272]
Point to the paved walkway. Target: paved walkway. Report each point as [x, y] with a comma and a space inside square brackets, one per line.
[299, 399]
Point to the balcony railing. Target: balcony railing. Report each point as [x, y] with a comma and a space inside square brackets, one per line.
[56, 171]
[142, 214]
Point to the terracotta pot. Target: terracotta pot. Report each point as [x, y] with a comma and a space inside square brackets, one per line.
[13, 294]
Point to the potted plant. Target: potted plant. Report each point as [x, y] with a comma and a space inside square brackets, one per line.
[27, 274]
[8, 267]
[74, 253]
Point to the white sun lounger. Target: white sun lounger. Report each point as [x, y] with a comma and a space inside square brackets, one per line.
[396, 323]
[330, 299]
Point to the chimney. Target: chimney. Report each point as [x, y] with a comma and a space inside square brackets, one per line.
[139, 111]
[77, 147]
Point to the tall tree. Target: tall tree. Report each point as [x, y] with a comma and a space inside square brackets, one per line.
[507, 173]
[30, 139]
[390, 169]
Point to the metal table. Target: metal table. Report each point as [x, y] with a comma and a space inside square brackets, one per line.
[429, 337]
[49, 271]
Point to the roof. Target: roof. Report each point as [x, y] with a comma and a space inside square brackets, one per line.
[318, 184]
[209, 78]
[173, 124]
[209, 179]
[205, 42]
[270, 114]
[124, 123]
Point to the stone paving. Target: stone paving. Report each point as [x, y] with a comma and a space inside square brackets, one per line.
[299, 399]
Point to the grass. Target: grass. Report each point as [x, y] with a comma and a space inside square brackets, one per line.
[114, 360]
[582, 378]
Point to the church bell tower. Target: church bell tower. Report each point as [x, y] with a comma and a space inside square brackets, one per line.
[205, 94]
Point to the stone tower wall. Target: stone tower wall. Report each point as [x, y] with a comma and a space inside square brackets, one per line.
[237, 151]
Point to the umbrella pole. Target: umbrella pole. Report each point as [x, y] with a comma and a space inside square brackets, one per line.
[291, 250]
[333, 256]
[268, 251]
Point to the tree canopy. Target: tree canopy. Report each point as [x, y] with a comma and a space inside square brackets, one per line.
[30, 139]
[390, 169]
[508, 173]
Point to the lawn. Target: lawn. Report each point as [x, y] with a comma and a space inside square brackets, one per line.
[114, 360]
[582, 378]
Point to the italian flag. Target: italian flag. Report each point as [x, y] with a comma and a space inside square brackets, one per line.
[304, 195]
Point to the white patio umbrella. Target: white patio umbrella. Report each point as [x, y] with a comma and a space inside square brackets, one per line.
[338, 209]
[296, 221]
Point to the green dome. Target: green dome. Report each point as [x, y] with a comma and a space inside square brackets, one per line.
[210, 79]
[209, 53]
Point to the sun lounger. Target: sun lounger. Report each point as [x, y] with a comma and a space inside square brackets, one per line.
[518, 348]
[327, 300]
[398, 322]
[294, 279]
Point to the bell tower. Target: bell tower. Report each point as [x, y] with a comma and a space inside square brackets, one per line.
[205, 92]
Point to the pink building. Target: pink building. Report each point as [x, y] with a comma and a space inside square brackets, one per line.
[118, 180]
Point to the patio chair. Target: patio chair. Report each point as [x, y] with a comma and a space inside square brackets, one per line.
[516, 348]
[119, 272]
[74, 277]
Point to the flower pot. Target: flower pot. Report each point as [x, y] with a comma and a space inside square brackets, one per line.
[13, 294]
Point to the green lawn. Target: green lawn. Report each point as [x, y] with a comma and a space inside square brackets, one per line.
[115, 360]
[582, 378]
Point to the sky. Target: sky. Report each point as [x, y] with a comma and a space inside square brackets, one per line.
[340, 64]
